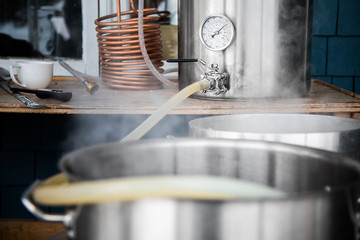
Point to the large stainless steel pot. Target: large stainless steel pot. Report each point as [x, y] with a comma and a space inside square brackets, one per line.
[318, 131]
[269, 55]
[320, 204]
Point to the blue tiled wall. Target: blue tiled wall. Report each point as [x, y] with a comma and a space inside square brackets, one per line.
[336, 43]
[30, 147]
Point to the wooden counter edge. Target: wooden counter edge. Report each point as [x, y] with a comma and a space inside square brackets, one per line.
[64, 78]
[339, 89]
[20, 229]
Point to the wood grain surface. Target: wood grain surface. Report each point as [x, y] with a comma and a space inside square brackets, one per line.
[28, 229]
[322, 98]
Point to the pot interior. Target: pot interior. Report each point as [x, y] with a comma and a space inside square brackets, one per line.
[276, 123]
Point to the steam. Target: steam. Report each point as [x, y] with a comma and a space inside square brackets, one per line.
[274, 52]
[269, 60]
[88, 130]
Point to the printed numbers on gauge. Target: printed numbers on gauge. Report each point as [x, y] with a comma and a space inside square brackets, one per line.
[216, 32]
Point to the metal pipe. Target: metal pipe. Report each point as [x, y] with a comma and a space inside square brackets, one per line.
[88, 81]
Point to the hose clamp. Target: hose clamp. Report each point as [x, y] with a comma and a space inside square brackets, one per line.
[219, 81]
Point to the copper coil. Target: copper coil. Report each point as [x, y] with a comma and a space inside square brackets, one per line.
[122, 63]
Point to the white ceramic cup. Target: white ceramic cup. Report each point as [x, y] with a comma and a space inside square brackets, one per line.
[32, 75]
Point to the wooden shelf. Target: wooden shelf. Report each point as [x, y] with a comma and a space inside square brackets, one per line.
[20, 229]
[323, 98]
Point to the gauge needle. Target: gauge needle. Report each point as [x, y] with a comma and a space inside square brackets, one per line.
[218, 31]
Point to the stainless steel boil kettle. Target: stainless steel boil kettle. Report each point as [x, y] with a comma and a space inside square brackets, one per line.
[246, 48]
[320, 203]
[329, 133]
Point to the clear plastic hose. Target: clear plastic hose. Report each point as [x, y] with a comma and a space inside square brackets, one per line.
[143, 48]
[57, 191]
[143, 128]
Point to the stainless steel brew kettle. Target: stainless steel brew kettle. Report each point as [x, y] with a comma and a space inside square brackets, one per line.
[247, 48]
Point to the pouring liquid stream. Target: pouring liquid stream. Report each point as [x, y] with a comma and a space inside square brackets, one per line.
[151, 121]
[143, 128]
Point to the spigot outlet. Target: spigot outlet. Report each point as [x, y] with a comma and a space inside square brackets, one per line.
[219, 81]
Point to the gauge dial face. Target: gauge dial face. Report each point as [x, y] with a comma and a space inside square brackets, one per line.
[216, 32]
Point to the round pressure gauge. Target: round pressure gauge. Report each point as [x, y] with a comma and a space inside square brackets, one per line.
[216, 32]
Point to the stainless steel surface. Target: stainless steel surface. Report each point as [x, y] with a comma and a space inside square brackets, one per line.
[27, 201]
[28, 102]
[330, 133]
[320, 205]
[269, 55]
[88, 81]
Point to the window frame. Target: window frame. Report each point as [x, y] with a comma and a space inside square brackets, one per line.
[89, 64]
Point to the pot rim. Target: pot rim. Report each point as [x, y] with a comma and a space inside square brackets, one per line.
[347, 124]
[322, 155]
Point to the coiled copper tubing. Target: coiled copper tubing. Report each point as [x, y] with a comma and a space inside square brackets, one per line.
[122, 64]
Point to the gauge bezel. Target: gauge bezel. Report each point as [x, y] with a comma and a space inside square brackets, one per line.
[202, 27]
